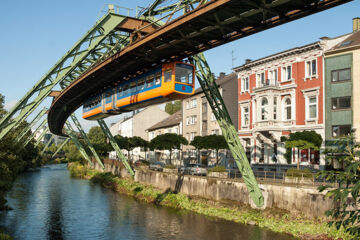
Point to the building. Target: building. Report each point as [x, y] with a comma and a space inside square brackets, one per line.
[197, 116]
[280, 94]
[171, 124]
[342, 86]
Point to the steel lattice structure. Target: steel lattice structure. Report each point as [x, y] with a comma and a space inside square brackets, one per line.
[181, 29]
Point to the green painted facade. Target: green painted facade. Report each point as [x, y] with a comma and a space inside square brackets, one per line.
[337, 89]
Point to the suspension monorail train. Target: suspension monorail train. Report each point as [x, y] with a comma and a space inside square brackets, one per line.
[171, 81]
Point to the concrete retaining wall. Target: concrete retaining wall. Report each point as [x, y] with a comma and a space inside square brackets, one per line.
[306, 200]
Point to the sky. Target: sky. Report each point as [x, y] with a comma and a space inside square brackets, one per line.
[36, 34]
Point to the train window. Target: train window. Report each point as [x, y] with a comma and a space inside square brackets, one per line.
[133, 87]
[150, 81]
[108, 96]
[158, 78]
[120, 92]
[125, 89]
[167, 75]
[184, 73]
[141, 84]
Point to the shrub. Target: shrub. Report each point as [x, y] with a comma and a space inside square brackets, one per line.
[293, 172]
[170, 166]
[217, 169]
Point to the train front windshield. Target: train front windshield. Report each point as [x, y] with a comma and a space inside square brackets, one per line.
[184, 73]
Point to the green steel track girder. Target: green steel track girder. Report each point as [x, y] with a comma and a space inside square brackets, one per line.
[47, 144]
[116, 147]
[60, 147]
[41, 136]
[70, 131]
[83, 134]
[42, 124]
[157, 9]
[81, 56]
[32, 123]
[211, 91]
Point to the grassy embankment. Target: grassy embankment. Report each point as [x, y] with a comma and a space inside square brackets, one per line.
[275, 220]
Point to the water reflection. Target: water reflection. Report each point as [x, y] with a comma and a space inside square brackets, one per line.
[50, 205]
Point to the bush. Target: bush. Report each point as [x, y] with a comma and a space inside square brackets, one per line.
[293, 172]
[217, 169]
[170, 166]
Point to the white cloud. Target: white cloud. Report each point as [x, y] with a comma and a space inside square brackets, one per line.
[9, 104]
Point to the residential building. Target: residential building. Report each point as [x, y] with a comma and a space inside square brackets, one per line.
[342, 86]
[198, 118]
[281, 94]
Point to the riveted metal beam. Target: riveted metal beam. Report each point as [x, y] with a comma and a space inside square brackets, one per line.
[71, 133]
[60, 147]
[30, 125]
[29, 138]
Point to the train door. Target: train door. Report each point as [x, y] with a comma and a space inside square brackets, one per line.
[168, 78]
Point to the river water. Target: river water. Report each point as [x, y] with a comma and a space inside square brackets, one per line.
[49, 204]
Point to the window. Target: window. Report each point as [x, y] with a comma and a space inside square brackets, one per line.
[260, 79]
[340, 103]
[341, 75]
[275, 108]
[167, 75]
[141, 84]
[133, 87]
[150, 81]
[177, 130]
[125, 89]
[245, 84]
[108, 97]
[310, 68]
[264, 113]
[286, 73]
[192, 135]
[213, 118]
[158, 78]
[341, 130]
[215, 132]
[119, 92]
[312, 104]
[245, 116]
[273, 76]
[193, 119]
[187, 104]
[193, 103]
[287, 109]
[184, 73]
[187, 121]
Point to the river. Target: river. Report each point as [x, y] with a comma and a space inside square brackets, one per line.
[49, 204]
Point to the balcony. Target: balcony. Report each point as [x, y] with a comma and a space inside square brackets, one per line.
[267, 84]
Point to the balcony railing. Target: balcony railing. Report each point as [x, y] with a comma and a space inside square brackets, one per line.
[267, 83]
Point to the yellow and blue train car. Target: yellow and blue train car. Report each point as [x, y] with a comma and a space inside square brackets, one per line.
[171, 81]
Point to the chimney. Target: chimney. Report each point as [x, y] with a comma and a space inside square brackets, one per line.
[247, 61]
[222, 74]
[356, 24]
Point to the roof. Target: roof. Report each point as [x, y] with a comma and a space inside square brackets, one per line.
[353, 41]
[172, 120]
[220, 81]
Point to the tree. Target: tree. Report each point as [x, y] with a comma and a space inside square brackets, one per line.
[173, 107]
[199, 143]
[98, 140]
[139, 142]
[215, 142]
[2, 110]
[168, 141]
[301, 140]
[345, 212]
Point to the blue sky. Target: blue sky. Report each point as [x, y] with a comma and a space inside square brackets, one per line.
[35, 34]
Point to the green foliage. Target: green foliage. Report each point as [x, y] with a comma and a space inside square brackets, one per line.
[173, 107]
[2, 110]
[168, 141]
[217, 169]
[98, 139]
[215, 142]
[198, 142]
[305, 173]
[72, 153]
[302, 140]
[346, 213]
[170, 166]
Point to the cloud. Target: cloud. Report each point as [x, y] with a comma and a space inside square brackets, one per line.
[9, 104]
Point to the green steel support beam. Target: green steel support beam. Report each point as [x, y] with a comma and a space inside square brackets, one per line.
[32, 123]
[116, 147]
[47, 144]
[41, 136]
[211, 91]
[70, 131]
[74, 60]
[60, 147]
[83, 134]
[33, 134]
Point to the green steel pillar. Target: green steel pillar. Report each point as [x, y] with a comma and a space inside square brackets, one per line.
[60, 147]
[32, 123]
[83, 134]
[33, 134]
[116, 147]
[70, 131]
[211, 91]
[47, 144]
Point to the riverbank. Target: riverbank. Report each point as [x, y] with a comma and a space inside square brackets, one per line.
[273, 219]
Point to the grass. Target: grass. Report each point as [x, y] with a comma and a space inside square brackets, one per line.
[4, 236]
[274, 219]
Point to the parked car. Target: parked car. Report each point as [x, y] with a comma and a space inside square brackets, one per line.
[157, 166]
[193, 169]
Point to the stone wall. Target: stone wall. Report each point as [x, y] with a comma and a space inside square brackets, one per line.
[306, 200]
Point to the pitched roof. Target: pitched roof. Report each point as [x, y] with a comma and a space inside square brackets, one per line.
[348, 43]
[172, 120]
[220, 81]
